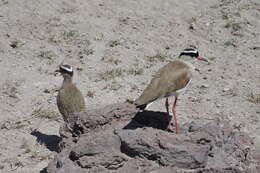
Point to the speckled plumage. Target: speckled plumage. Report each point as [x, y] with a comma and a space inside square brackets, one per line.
[69, 98]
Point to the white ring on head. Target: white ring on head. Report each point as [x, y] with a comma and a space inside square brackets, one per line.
[69, 68]
[190, 51]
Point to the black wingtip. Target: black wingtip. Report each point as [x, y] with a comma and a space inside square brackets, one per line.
[141, 107]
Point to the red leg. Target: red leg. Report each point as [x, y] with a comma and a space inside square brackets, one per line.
[167, 105]
[174, 114]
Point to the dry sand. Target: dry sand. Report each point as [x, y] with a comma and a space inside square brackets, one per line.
[115, 47]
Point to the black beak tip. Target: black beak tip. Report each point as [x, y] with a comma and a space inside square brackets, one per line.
[56, 72]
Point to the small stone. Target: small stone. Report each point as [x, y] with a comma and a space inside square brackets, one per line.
[46, 91]
[204, 86]
[225, 89]
[218, 105]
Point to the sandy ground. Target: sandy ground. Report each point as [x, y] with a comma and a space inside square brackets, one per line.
[115, 46]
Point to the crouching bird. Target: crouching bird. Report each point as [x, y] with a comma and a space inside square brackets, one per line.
[69, 98]
[170, 80]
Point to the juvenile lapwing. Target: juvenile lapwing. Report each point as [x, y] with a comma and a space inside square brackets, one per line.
[69, 98]
[170, 80]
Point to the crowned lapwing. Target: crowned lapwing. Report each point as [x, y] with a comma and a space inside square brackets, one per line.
[69, 98]
[170, 80]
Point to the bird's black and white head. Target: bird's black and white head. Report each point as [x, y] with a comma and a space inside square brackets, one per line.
[191, 52]
[65, 70]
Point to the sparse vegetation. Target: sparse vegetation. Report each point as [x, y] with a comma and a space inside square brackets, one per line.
[111, 74]
[64, 35]
[16, 165]
[158, 57]
[34, 154]
[118, 72]
[10, 89]
[17, 44]
[212, 58]
[8, 124]
[134, 88]
[47, 54]
[67, 35]
[44, 114]
[233, 25]
[254, 98]
[111, 60]
[86, 51]
[231, 42]
[11, 92]
[138, 71]
[99, 37]
[25, 146]
[20, 123]
[113, 43]
[91, 94]
[114, 85]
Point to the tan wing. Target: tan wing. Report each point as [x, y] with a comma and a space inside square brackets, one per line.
[172, 77]
[70, 100]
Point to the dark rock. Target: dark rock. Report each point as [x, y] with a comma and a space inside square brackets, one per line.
[166, 149]
[118, 139]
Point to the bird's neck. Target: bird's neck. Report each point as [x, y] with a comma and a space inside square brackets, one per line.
[187, 60]
[67, 80]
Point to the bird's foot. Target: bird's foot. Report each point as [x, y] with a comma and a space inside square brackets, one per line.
[170, 128]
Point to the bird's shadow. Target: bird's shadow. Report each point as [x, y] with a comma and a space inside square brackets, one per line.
[44, 170]
[50, 141]
[158, 120]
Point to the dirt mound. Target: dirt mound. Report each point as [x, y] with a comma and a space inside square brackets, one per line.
[118, 139]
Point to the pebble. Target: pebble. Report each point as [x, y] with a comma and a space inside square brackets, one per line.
[204, 86]
[218, 105]
[225, 89]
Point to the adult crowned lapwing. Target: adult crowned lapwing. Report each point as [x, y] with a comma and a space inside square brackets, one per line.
[69, 98]
[170, 80]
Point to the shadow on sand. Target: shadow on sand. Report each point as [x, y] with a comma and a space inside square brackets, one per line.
[50, 141]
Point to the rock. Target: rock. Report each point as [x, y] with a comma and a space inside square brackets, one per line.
[203, 86]
[203, 170]
[118, 139]
[164, 148]
[225, 89]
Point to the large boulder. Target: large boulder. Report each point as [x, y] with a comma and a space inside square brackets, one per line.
[118, 138]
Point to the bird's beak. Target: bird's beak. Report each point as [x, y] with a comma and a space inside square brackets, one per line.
[56, 72]
[202, 59]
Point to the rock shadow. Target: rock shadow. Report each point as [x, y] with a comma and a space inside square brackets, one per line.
[50, 141]
[158, 120]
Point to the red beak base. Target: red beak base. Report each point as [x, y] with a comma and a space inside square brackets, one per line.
[202, 58]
